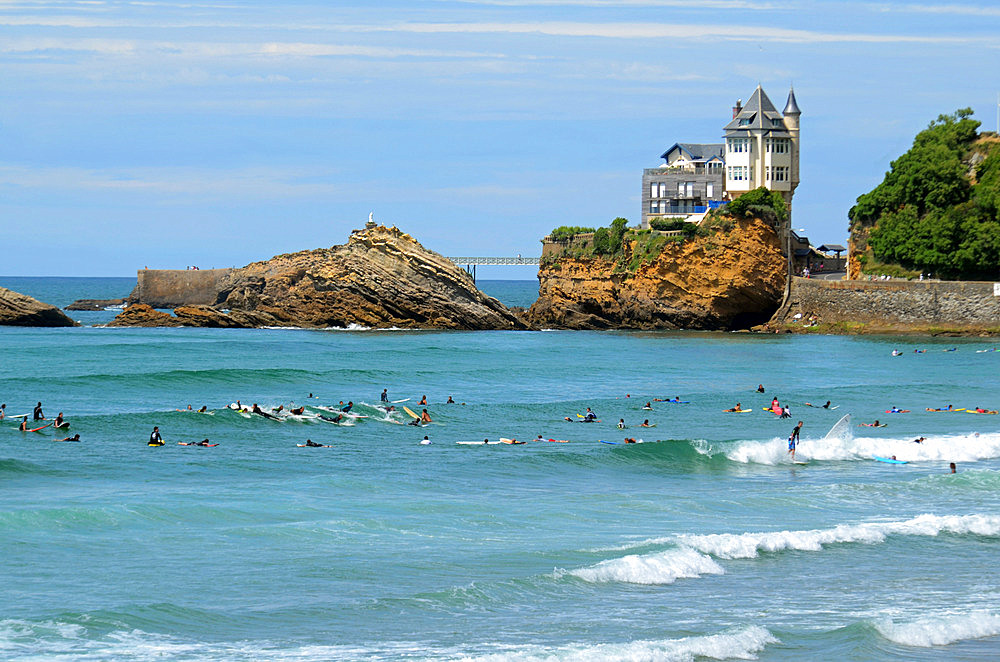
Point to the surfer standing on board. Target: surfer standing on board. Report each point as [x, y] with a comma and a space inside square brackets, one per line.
[793, 439]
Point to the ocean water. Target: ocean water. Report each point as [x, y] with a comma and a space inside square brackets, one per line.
[702, 542]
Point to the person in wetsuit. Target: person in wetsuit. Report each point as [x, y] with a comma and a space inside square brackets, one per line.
[39, 416]
[154, 437]
[793, 439]
[385, 395]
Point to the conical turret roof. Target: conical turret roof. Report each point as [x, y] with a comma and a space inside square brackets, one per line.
[792, 108]
[759, 114]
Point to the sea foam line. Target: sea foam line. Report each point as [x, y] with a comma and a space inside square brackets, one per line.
[741, 644]
[941, 629]
[948, 448]
[693, 555]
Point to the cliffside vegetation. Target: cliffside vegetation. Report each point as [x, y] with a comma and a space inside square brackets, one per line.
[938, 209]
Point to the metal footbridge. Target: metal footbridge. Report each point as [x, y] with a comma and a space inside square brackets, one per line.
[470, 263]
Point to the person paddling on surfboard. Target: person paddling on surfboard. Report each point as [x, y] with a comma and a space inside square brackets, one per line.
[75, 437]
[645, 424]
[793, 439]
[736, 408]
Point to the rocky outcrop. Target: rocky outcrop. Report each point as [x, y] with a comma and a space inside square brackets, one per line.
[93, 304]
[21, 310]
[728, 280]
[139, 314]
[380, 278]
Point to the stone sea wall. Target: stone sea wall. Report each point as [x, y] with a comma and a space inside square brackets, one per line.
[169, 288]
[896, 305]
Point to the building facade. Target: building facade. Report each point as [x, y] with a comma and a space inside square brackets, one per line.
[761, 148]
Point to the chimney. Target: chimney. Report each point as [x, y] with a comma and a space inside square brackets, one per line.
[737, 108]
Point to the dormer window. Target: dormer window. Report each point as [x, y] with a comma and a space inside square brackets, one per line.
[776, 123]
[745, 121]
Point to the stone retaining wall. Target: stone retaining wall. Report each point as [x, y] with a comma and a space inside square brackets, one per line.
[169, 288]
[897, 303]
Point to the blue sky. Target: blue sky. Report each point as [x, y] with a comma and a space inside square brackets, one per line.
[217, 133]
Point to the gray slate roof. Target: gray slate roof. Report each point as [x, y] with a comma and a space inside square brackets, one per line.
[758, 114]
[791, 108]
[832, 248]
[698, 151]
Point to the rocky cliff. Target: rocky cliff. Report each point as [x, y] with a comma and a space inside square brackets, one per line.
[729, 280]
[380, 278]
[21, 310]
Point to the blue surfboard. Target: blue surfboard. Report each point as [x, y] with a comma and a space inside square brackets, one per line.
[888, 460]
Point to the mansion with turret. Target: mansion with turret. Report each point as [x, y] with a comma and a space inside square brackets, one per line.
[761, 148]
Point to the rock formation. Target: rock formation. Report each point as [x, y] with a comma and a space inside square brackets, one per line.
[380, 278]
[725, 281]
[94, 304]
[21, 310]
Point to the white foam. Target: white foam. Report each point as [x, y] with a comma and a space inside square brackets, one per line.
[742, 644]
[941, 629]
[947, 448]
[749, 545]
[660, 568]
[688, 559]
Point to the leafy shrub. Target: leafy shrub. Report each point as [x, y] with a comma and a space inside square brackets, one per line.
[755, 202]
[567, 231]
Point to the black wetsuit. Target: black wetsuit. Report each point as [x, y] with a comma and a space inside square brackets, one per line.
[155, 437]
[38, 413]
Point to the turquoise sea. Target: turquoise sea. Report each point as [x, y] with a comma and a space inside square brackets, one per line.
[702, 542]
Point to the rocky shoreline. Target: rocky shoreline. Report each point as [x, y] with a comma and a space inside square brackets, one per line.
[381, 278]
[18, 309]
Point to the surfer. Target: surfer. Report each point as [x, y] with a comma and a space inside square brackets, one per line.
[203, 442]
[425, 441]
[450, 401]
[39, 416]
[827, 405]
[774, 403]
[539, 438]
[649, 406]
[760, 388]
[920, 440]
[257, 410]
[590, 416]
[793, 439]
[415, 422]
[567, 419]
[423, 400]
[895, 410]
[23, 427]
[336, 419]
[736, 408]
[312, 444]
[621, 423]
[154, 438]
[385, 395]
[3, 411]
[76, 437]
[298, 411]
[347, 407]
[952, 467]
[204, 409]
[425, 417]
[876, 424]
[645, 424]
[896, 352]
[630, 440]
[59, 421]
[785, 413]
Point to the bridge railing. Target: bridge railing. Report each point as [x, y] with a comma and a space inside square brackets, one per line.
[495, 261]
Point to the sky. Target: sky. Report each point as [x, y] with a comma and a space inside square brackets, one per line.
[217, 133]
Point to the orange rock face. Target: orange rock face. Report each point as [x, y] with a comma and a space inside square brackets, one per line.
[724, 281]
